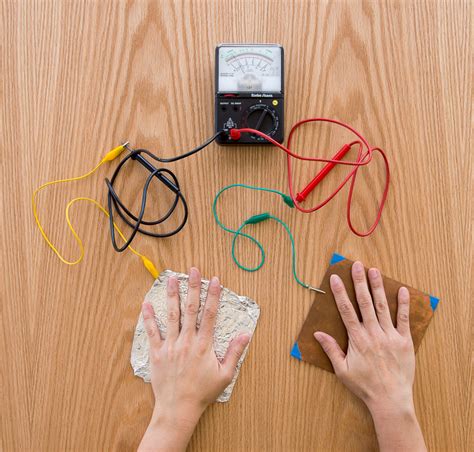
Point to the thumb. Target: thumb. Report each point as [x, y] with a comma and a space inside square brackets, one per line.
[331, 348]
[234, 352]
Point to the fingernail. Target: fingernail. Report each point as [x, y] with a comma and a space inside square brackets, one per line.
[193, 272]
[373, 273]
[358, 267]
[245, 337]
[214, 281]
[172, 283]
[404, 292]
[316, 334]
[335, 280]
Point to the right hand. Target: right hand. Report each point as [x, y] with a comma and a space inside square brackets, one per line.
[379, 366]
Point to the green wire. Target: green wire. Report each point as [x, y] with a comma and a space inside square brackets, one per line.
[254, 220]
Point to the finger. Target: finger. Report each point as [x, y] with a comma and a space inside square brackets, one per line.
[380, 299]
[174, 312]
[344, 305]
[234, 352]
[332, 349]
[208, 320]
[403, 312]
[151, 328]
[192, 302]
[364, 299]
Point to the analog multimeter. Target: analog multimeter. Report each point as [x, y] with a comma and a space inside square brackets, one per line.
[249, 91]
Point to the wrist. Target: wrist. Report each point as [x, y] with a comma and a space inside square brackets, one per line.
[392, 410]
[170, 430]
[397, 427]
[181, 420]
[391, 403]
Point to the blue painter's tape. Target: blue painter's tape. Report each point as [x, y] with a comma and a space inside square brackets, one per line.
[336, 258]
[434, 302]
[295, 351]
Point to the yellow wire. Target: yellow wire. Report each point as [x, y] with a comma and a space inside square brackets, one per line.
[109, 156]
[148, 264]
[40, 227]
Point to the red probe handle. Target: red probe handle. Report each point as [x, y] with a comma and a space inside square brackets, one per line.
[301, 196]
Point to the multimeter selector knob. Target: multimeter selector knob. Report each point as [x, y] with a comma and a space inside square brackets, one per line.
[261, 117]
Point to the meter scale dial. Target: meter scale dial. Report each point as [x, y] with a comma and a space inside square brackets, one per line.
[250, 62]
[249, 69]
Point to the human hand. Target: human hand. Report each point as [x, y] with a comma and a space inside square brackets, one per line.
[186, 375]
[379, 366]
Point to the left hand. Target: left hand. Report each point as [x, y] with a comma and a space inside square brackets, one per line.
[186, 375]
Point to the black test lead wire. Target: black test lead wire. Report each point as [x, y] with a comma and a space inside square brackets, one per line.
[166, 177]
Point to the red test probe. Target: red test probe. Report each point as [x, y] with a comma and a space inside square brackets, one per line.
[364, 157]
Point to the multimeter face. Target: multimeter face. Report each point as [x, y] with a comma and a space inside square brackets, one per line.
[249, 69]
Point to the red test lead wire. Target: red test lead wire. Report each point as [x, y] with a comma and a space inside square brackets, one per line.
[363, 158]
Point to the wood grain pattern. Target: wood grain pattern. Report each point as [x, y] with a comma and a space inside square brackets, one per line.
[79, 77]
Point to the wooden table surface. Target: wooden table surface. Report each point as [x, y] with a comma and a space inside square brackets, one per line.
[78, 78]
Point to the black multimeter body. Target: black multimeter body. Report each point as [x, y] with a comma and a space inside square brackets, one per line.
[249, 91]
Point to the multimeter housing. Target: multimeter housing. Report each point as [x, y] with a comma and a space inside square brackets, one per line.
[249, 91]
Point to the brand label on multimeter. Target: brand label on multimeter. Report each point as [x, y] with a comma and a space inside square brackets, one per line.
[249, 91]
